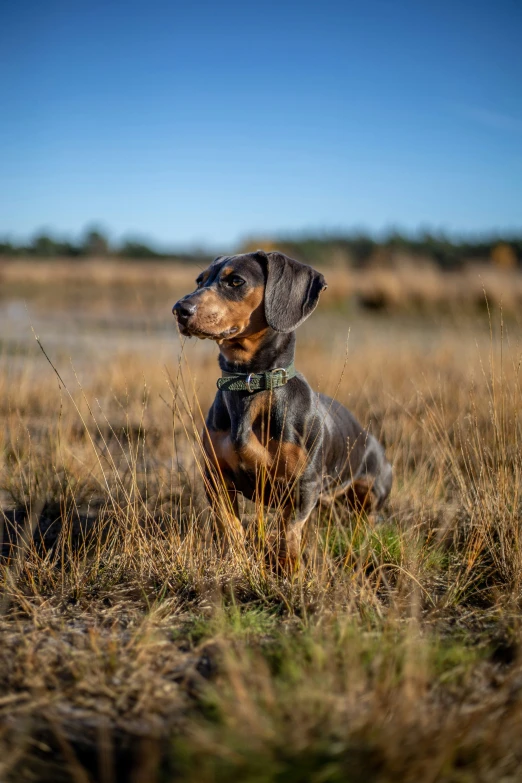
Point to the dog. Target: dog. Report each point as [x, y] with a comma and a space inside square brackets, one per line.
[268, 435]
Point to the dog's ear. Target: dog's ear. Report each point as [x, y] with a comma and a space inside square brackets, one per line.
[291, 293]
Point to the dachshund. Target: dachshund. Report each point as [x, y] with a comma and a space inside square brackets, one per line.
[268, 435]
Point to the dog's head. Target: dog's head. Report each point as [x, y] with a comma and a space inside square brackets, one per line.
[240, 295]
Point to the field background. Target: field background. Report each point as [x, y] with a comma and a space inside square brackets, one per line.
[133, 648]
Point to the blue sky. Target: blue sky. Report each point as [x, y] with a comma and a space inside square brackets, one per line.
[203, 122]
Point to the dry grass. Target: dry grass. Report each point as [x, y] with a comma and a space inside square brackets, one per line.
[411, 285]
[134, 647]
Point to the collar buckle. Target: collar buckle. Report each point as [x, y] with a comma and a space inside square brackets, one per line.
[247, 383]
[284, 371]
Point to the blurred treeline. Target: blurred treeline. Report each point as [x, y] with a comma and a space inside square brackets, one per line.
[357, 250]
[93, 244]
[360, 250]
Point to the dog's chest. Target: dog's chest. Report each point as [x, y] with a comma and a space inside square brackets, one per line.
[253, 454]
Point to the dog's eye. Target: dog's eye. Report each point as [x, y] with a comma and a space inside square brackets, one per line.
[199, 282]
[235, 282]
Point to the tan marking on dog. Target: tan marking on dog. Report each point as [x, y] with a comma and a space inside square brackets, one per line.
[288, 459]
[281, 460]
[284, 545]
[215, 315]
[357, 493]
[211, 313]
[220, 450]
[228, 516]
[242, 349]
[360, 495]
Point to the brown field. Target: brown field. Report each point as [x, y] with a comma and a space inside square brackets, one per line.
[135, 647]
[409, 285]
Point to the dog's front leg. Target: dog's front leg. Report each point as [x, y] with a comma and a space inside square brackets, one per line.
[295, 516]
[224, 501]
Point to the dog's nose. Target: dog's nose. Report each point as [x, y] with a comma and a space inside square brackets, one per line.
[183, 309]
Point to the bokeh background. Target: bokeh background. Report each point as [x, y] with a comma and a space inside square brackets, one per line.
[379, 140]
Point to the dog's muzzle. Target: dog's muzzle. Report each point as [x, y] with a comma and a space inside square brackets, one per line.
[183, 310]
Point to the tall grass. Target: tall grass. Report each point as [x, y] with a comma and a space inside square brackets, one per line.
[135, 645]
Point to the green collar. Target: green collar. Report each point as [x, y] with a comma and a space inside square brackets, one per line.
[256, 381]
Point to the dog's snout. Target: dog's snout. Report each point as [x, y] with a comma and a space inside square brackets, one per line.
[183, 309]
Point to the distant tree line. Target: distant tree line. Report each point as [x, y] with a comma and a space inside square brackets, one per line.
[355, 249]
[93, 243]
[360, 250]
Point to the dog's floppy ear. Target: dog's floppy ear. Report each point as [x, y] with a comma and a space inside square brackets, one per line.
[291, 293]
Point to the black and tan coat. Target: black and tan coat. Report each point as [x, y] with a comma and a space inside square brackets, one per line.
[289, 446]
